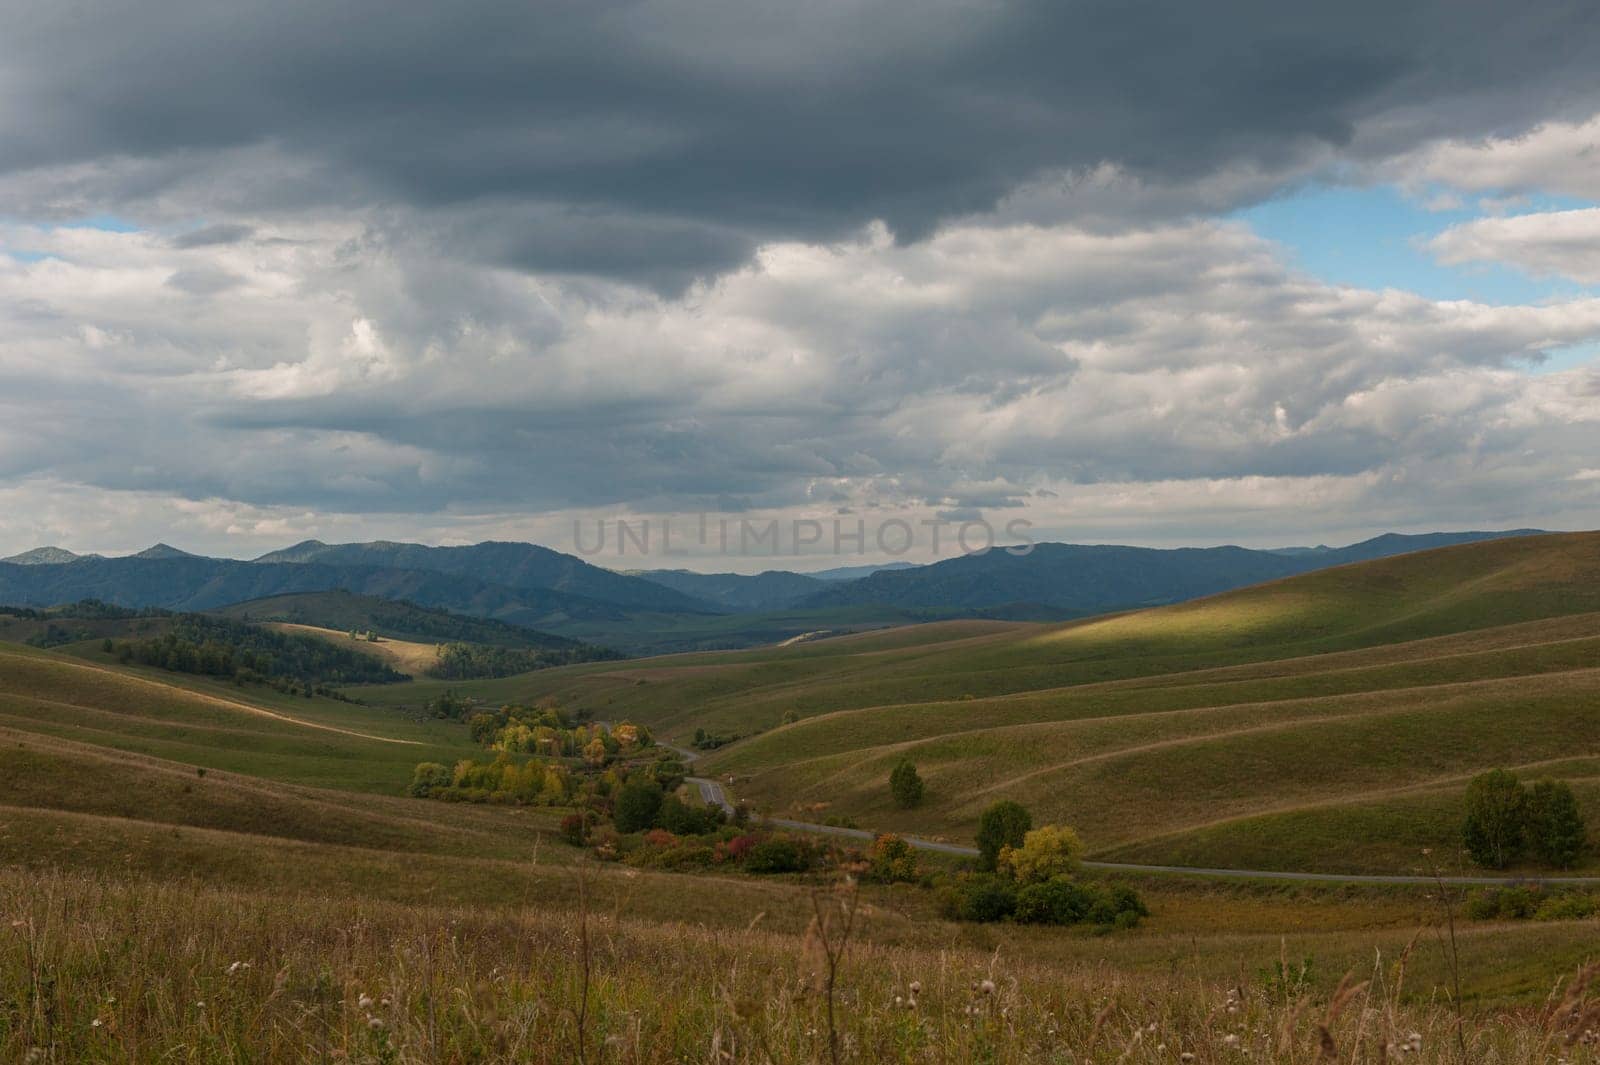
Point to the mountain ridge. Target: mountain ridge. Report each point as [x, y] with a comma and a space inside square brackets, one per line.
[511, 564]
[1098, 578]
[45, 556]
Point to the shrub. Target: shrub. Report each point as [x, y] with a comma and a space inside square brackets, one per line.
[905, 785]
[1496, 809]
[428, 778]
[1004, 824]
[980, 898]
[1570, 907]
[1503, 904]
[637, 805]
[574, 829]
[677, 816]
[776, 856]
[1054, 901]
[1127, 901]
[893, 861]
[1554, 829]
[738, 848]
[660, 838]
[1046, 853]
[685, 855]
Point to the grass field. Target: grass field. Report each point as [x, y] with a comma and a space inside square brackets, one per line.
[404, 656]
[132, 972]
[1324, 722]
[155, 829]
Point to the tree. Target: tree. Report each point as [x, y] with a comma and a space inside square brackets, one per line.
[1003, 824]
[1046, 852]
[637, 805]
[428, 778]
[1554, 828]
[905, 785]
[1496, 811]
[893, 860]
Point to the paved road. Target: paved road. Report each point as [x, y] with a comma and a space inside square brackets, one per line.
[1188, 870]
[712, 794]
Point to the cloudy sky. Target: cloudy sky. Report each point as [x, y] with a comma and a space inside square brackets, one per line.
[1130, 270]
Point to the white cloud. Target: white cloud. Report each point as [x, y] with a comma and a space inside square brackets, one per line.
[1550, 243]
[1555, 157]
[1150, 383]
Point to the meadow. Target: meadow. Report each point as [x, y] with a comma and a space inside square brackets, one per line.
[101, 972]
[1327, 722]
[193, 870]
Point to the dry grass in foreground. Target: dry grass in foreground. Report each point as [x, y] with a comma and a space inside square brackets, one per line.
[96, 972]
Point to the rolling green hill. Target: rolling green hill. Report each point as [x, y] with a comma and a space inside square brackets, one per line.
[398, 619]
[1326, 721]
[256, 850]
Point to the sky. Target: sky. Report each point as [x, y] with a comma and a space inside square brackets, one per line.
[1142, 272]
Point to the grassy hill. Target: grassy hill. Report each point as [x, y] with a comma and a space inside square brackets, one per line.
[398, 619]
[205, 871]
[1326, 721]
[404, 656]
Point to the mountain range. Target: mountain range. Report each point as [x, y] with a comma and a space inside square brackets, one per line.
[539, 588]
[1097, 578]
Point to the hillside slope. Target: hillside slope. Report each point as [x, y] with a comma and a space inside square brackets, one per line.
[397, 619]
[1328, 720]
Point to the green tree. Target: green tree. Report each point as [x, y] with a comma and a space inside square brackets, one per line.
[1496, 813]
[1554, 828]
[1003, 824]
[905, 785]
[428, 778]
[637, 805]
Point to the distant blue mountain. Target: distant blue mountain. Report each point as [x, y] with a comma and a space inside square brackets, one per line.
[1079, 579]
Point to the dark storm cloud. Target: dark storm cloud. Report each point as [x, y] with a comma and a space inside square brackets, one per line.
[211, 236]
[659, 139]
[408, 259]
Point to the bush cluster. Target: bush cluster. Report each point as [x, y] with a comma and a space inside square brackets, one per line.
[1060, 900]
[548, 732]
[532, 782]
[1506, 821]
[1026, 875]
[471, 661]
[1524, 903]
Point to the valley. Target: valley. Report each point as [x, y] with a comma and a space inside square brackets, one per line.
[1325, 724]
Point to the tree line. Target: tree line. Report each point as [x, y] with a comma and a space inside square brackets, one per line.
[215, 647]
[476, 661]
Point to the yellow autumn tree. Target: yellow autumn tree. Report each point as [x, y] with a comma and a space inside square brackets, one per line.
[1046, 852]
